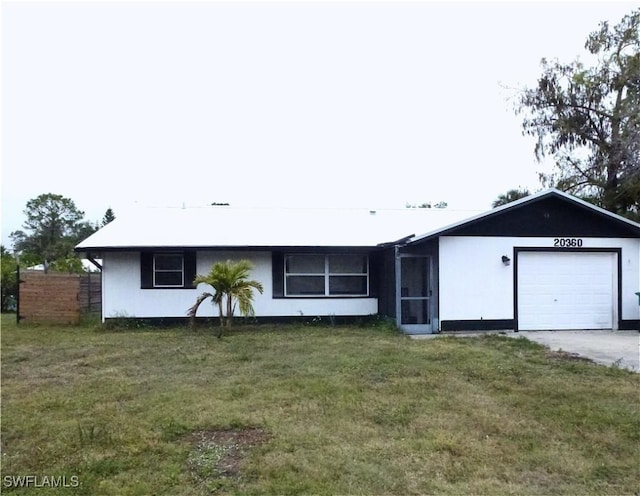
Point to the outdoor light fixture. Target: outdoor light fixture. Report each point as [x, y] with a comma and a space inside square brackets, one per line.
[506, 260]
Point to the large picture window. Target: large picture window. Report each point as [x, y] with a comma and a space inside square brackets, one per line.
[326, 275]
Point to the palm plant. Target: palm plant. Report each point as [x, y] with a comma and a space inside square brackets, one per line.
[231, 285]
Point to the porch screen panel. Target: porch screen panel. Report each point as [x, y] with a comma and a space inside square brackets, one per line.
[415, 277]
[415, 292]
[416, 312]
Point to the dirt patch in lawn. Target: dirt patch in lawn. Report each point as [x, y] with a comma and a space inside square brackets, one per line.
[217, 456]
[565, 355]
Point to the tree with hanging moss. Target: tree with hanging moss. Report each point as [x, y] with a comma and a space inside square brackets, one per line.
[231, 286]
[587, 118]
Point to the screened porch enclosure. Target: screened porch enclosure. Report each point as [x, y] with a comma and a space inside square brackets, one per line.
[415, 312]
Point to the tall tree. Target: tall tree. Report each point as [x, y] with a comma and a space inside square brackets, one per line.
[588, 119]
[231, 284]
[109, 216]
[53, 227]
[510, 196]
[8, 280]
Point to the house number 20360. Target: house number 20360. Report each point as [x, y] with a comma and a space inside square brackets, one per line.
[567, 242]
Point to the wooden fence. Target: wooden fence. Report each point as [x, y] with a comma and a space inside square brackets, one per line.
[91, 292]
[57, 298]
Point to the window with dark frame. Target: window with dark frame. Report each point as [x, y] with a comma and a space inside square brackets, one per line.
[326, 275]
[168, 270]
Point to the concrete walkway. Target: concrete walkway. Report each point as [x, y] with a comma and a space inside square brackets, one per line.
[621, 348]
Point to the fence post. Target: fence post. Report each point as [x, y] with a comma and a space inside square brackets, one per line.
[18, 281]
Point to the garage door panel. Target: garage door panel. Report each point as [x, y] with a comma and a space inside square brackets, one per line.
[565, 290]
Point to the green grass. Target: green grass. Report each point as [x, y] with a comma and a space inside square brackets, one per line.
[323, 410]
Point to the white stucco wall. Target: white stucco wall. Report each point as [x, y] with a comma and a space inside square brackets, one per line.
[474, 284]
[123, 297]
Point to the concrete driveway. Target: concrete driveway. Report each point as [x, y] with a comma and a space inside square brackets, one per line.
[605, 347]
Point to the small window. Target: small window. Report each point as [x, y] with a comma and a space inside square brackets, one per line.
[326, 275]
[167, 270]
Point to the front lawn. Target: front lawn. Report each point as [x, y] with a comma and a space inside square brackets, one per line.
[304, 409]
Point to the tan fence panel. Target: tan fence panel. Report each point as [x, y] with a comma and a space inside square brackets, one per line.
[56, 298]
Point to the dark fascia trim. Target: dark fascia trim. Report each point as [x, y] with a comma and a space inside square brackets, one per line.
[478, 325]
[165, 288]
[323, 297]
[520, 204]
[323, 249]
[482, 217]
[446, 325]
[518, 249]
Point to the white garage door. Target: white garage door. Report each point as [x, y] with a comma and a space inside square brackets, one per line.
[565, 290]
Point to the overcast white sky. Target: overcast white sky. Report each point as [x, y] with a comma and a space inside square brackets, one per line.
[297, 104]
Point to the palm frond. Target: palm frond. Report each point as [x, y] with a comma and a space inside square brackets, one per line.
[191, 313]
